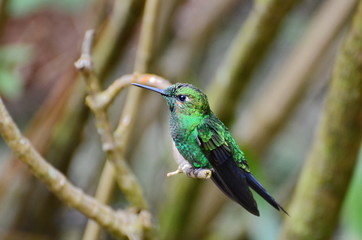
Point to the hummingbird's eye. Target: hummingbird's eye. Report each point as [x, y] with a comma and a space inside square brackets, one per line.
[182, 98]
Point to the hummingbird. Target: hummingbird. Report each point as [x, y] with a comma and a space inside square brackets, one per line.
[205, 142]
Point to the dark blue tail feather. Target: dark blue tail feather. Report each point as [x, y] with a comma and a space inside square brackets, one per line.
[257, 187]
[232, 181]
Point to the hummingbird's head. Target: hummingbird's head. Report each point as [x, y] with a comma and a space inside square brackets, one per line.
[183, 98]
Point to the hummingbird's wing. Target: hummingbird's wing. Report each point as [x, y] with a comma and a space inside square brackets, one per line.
[227, 174]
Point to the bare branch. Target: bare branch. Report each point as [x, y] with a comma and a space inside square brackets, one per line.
[144, 54]
[125, 178]
[122, 223]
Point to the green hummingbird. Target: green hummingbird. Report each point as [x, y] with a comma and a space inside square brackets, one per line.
[205, 142]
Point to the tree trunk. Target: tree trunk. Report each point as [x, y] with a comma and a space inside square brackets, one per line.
[315, 208]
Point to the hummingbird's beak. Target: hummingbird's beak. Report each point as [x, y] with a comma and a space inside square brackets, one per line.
[160, 91]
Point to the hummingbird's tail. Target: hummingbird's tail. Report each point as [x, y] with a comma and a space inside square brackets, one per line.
[257, 187]
[232, 181]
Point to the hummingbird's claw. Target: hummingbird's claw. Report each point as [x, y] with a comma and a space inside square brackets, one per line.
[190, 171]
[199, 173]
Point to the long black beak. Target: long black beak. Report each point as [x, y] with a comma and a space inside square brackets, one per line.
[160, 91]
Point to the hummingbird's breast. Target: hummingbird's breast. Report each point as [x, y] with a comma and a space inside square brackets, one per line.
[184, 134]
[182, 127]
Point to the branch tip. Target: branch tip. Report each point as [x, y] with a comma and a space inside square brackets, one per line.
[84, 63]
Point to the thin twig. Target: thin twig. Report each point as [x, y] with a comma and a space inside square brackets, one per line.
[55, 129]
[122, 223]
[105, 99]
[105, 186]
[144, 54]
[125, 178]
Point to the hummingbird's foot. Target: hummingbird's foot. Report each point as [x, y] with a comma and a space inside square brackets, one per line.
[190, 171]
[200, 173]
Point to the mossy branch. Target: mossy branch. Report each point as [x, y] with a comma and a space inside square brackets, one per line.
[322, 187]
[121, 223]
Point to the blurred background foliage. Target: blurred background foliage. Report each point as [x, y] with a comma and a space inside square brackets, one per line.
[39, 42]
